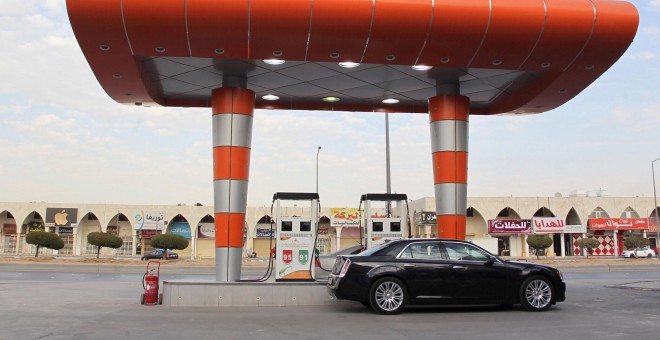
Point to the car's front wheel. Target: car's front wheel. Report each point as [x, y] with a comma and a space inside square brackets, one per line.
[536, 294]
[388, 296]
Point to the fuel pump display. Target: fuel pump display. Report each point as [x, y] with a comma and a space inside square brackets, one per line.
[295, 239]
[379, 230]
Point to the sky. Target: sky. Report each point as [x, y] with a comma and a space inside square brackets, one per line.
[63, 140]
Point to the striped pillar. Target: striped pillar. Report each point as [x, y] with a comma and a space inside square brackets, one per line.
[232, 135]
[449, 142]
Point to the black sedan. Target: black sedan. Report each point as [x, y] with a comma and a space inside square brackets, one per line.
[158, 254]
[442, 272]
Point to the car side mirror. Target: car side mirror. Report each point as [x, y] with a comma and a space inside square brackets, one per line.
[491, 260]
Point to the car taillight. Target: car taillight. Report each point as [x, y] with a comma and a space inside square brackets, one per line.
[344, 268]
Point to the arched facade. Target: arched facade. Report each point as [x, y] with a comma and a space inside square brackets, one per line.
[17, 218]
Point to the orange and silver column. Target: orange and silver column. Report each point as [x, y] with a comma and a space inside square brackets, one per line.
[233, 109]
[449, 142]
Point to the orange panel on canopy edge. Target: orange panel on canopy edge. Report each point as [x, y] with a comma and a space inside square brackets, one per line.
[148, 28]
[568, 27]
[511, 44]
[339, 29]
[399, 29]
[278, 25]
[455, 35]
[215, 25]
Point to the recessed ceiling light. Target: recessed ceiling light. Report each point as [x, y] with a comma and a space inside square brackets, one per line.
[219, 51]
[390, 101]
[274, 61]
[116, 76]
[545, 65]
[104, 48]
[444, 60]
[277, 53]
[160, 49]
[349, 64]
[589, 66]
[390, 57]
[562, 90]
[497, 62]
[334, 55]
[331, 99]
[421, 67]
[270, 97]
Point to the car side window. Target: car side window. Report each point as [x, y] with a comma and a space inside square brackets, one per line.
[464, 252]
[424, 251]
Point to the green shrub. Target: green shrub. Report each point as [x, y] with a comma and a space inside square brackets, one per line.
[539, 243]
[169, 241]
[636, 242]
[589, 243]
[44, 239]
[101, 240]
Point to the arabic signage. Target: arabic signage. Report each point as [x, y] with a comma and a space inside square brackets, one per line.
[350, 217]
[548, 225]
[149, 220]
[344, 217]
[509, 226]
[264, 233]
[65, 230]
[61, 217]
[653, 224]
[618, 223]
[206, 230]
[180, 228]
[425, 217]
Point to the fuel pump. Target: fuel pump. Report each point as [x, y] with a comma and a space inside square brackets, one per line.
[393, 226]
[295, 239]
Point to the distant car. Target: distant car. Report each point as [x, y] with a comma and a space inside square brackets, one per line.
[442, 272]
[158, 254]
[641, 252]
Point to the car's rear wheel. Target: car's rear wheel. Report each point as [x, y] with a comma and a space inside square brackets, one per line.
[388, 296]
[649, 256]
[536, 294]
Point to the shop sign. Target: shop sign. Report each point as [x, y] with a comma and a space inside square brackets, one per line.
[149, 220]
[344, 217]
[425, 217]
[56, 217]
[65, 230]
[149, 233]
[653, 224]
[264, 233]
[206, 231]
[509, 226]
[618, 223]
[575, 229]
[180, 228]
[548, 225]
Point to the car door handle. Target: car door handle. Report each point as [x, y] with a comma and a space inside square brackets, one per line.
[408, 265]
[459, 267]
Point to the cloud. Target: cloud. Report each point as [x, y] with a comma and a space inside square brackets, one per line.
[641, 56]
[654, 4]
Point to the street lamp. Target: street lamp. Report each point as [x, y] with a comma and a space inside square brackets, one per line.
[317, 169]
[655, 206]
